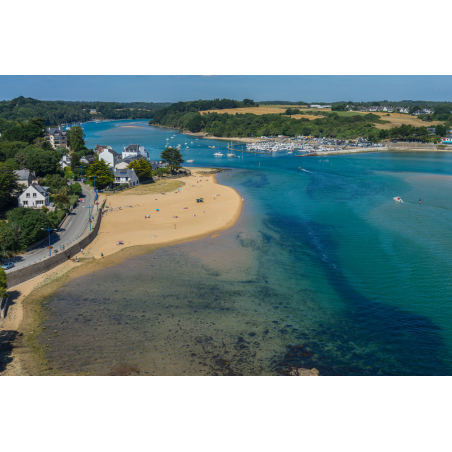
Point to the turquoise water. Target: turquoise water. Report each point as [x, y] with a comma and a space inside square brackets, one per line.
[322, 270]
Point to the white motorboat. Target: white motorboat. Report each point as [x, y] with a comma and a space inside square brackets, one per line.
[397, 199]
[190, 161]
[231, 155]
[218, 154]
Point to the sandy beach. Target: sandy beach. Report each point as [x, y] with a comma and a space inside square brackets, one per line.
[137, 217]
[219, 211]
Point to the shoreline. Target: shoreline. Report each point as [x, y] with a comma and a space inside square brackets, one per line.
[363, 151]
[207, 136]
[20, 330]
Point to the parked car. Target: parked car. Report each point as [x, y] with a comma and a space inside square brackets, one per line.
[8, 265]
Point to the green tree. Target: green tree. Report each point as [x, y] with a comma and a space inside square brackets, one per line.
[21, 160]
[61, 198]
[11, 148]
[8, 184]
[103, 173]
[161, 171]
[42, 143]
[440, 130]
[75, 139]
[195, 124]
[172, 157]
[23, 132]
[75, 189]
[40, 122]
[41, 161]
[75, 162]
[142, 168]
[30, 221]
[2, 283]
[9, 238]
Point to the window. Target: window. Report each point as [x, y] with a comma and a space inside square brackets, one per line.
[28, 195]
[25, 203]
[34, 195]
[39, 203]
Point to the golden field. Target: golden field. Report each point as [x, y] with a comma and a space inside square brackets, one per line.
[264, 110]
[394, 119]
[397, 119]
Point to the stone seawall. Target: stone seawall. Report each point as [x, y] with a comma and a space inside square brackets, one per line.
[26, 273]
[401, 146]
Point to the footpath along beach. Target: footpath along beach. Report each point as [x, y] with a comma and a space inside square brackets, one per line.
[174, 217]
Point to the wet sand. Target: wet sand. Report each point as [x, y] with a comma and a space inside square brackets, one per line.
[20, 326]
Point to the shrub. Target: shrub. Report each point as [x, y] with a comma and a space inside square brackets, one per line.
[2, 283]
[61, 198]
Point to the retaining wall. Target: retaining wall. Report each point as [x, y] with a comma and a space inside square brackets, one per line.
[26, 273]
[405, 145]
[3, 307]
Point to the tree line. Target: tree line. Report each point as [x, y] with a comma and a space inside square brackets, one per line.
[250, 125]
[58, 112]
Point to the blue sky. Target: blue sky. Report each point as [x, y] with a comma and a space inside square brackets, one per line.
[172, 88]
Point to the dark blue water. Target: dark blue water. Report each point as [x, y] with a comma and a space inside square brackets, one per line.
[322, 270]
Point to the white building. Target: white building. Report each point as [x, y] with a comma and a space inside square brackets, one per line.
[24, 177]
[126, 176]
[56, 136]
[88, 159]
[109, 156]
[99, 148]
[34, 196]
[65, 161]
[133, 151]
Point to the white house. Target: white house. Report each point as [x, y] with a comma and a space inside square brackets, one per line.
[34, 196]
[126, 176]
[99, 148]
[88, 159]
[24, 177]
[133, 151]
[65, 161]
[109, 156]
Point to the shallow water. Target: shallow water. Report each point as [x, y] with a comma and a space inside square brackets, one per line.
[322, 270]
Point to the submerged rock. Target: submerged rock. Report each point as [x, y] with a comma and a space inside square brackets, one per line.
[303, 372]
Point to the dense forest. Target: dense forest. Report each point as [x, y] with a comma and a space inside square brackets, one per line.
[58, 112]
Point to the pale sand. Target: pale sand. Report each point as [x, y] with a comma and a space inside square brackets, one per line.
[215, 214]
[129, 225]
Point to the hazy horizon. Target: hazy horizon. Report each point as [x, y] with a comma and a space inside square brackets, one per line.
[174, 88]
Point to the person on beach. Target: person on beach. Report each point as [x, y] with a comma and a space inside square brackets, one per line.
[175, 227]
[102, 255]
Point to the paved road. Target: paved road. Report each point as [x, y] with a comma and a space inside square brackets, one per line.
[76, 225]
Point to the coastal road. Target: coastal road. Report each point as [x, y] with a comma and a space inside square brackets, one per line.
[76, 224]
